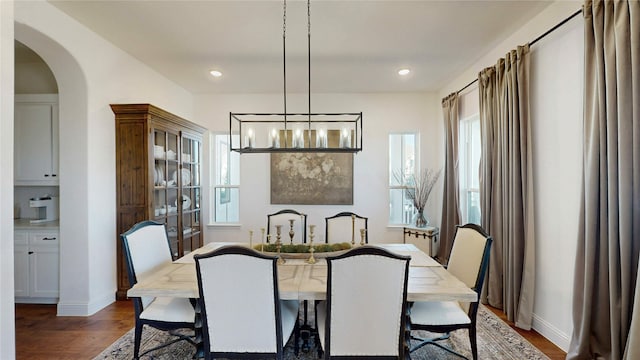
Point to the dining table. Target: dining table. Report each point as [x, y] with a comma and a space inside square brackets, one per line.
[299, 280]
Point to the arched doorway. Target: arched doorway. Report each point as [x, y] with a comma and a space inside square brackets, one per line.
[73, 187]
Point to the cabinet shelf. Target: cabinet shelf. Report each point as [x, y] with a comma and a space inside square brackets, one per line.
[160, 187]
[191, 234]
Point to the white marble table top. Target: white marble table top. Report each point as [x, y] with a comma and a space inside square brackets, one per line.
[428, 280]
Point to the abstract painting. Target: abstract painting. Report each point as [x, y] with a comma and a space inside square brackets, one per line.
[312, 178]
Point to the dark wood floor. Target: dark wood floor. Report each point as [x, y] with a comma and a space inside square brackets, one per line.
[539, 341]
[40, 334]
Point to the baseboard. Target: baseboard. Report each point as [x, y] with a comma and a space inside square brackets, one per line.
[85, 309]
[552, 333]
[35, 300]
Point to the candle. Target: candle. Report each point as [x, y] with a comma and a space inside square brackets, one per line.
[274, 138]
[345, 138]
[321, 139]
[250, 138]
[298, 140]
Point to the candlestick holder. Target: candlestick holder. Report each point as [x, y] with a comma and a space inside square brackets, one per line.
[280, 260]
[291, 232]
[353, 231]
[311, 259]
[251, 239]
[262, 239]
[363, 234]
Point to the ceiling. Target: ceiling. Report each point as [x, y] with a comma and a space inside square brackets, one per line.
[356, 46]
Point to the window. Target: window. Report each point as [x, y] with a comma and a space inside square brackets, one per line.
[403, 150]
[225, 185]
[469, 176]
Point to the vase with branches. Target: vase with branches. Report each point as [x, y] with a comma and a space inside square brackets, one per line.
[419, 189]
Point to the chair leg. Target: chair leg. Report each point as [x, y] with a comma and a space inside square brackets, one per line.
[136, 340]
[296, 338]
[472, 340]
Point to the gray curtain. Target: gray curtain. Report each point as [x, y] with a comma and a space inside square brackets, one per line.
[506, 185]
[633, 340]
[609, 233]
[450, 206]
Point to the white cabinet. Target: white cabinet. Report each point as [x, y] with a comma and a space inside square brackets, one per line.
[36, 139]
[21, 264]
[36, 258]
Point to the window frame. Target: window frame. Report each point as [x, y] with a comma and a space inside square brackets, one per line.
[215, 151]
[465, 158]
[404, 186]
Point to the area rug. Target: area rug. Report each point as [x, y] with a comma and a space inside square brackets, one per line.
[496, 341]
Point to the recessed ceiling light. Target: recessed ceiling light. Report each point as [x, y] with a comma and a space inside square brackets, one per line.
[404, 72]
[215, 73]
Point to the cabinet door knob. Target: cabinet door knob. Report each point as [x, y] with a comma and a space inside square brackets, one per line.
[47, 238]
[54, 175]
[46, 175]
[30, 252]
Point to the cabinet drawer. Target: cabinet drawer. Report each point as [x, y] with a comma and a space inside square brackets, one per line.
[44, 238]
[20, 238]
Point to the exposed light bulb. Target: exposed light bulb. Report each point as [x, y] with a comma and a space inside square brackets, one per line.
[215, 73]
[404, 72]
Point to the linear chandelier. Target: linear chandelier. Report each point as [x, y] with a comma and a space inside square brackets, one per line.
[295, 132]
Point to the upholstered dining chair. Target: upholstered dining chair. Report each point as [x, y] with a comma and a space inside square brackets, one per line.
[282, 217]
[147, 249]
[364, 314]
[243, 316]
[468, 262]
[345, 227]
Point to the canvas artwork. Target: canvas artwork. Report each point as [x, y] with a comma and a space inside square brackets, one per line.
[312, 178]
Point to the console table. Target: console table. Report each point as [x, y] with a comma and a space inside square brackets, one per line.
[425, 239]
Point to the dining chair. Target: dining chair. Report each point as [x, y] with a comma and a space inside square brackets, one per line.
[243, 316]
[146, 250]
[283, 218]
[364, 314]
[345, 227]
[468, 262]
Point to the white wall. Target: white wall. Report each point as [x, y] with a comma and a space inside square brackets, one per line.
[34, 77]
[91, 74]
[556, 114]
[7, 324]
[382, 114]
[557, 70]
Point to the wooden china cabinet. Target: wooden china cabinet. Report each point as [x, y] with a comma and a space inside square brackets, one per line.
[158, 172]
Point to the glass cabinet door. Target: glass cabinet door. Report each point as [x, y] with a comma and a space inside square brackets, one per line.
[166, 184]
[190, 189]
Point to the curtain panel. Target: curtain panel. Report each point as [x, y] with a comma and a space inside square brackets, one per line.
[506, 185]
[609, 233]
[450, 201]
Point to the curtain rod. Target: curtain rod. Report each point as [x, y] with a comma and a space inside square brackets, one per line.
[533, 42]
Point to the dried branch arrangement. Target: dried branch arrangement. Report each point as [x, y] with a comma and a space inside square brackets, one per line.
[420, 186]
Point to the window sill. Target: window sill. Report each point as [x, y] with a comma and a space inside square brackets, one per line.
[397, 226]
[224, 225]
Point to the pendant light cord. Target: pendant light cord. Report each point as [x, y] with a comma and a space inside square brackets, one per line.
[284, 70]
[284, 65]
[309, 66]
